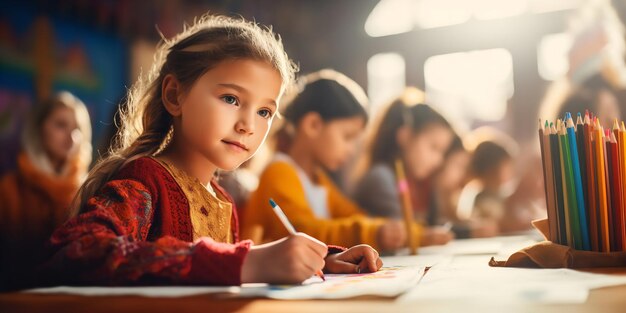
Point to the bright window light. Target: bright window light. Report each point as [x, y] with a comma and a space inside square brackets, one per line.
[544, 6]
[390, 17]
[552, 58]
[438, 13]
[496, 9]
[470, 86]
[386, 78]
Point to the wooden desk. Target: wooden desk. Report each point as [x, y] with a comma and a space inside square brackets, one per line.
[611, 299]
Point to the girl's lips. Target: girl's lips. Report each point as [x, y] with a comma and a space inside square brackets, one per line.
[236, 144]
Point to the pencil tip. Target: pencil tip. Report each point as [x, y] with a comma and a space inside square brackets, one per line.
[272, 203]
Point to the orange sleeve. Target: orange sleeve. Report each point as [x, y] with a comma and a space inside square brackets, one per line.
[338, 204]
[346, 227]
[341, 206]
[9, 204]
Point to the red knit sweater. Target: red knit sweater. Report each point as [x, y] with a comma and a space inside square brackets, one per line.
[137, 230]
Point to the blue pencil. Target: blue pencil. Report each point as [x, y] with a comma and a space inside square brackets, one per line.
[578, 183]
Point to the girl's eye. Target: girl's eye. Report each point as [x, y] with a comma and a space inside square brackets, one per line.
[265, 113]
[230, 100]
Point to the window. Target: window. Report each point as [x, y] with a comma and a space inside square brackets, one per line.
[470, 86]
[552, 58]
[386, 78]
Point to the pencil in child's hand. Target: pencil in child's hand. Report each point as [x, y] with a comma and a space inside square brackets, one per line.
[282, 217]
[292, 231]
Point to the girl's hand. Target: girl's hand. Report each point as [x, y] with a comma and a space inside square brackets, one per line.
[433, 236]
[358, 259]
[392, 235]
[290, 260]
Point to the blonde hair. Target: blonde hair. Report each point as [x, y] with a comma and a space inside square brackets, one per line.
[145, 123]
[31, 136]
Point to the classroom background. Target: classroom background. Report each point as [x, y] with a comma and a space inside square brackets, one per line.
[479, 62]
[491, 68]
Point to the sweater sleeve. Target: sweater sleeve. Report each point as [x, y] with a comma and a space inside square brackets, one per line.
[280, 181]
[107, 245]
[377, 193]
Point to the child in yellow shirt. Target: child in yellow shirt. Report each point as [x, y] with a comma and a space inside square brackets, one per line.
[323, 124]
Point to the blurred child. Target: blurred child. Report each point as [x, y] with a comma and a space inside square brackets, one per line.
[35, 198]
[494, 192]
[418, 137]
[448, 182]
[596, 95]
[151, 212]
[323, 124]
[492, 167]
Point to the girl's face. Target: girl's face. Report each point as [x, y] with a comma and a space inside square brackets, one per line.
[60, 134]
[425, 151]
[337, 141]
[228, 111]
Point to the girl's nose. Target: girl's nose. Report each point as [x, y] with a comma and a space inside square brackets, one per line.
[245, 124]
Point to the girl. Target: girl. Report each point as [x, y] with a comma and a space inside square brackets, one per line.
[323, 124]
[206, 106]
[34, 199]
[418, 137]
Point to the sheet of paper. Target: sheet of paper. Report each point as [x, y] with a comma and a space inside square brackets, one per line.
[427, 260]
[504, 245]
[165, 291]
[470, 279]
[388, 282]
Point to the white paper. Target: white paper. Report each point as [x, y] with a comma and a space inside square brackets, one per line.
[470, 279]
[161, 291]
[388, 282]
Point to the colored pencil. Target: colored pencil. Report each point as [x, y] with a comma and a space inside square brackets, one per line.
[591, 199]
[581, 217]
[567, 194]
[609, 192]
[407, 206]
[602, 184]
[622, 149]
[544, 142]
[616, 195]
[558, 185]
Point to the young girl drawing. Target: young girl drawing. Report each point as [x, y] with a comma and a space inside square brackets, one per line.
[150, 213]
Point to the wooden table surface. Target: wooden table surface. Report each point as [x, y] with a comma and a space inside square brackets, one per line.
[610, 299]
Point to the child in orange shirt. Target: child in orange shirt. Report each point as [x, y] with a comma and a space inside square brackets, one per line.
[151, 212]
[35, 197]
[323, 123]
